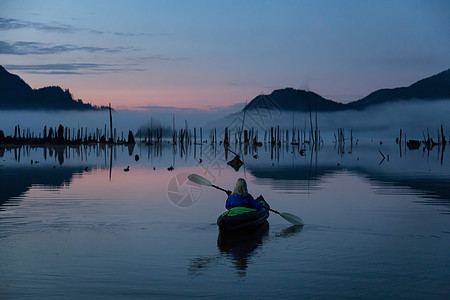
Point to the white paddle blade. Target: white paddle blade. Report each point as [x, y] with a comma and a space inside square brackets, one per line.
[292, 218]
[199, 179]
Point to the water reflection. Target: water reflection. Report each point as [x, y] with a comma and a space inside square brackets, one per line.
[290, 231]
[240, 247]
[15, 182]
[433, 190]
[287, 168]
[113, 238]
[276, 154]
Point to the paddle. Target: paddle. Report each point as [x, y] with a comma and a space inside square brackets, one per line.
[287, 216]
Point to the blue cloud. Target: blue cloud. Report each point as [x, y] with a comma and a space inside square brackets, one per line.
[25, 48]
[13, 24]
[72, 69]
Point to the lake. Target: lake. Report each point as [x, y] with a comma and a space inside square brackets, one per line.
[75, 225]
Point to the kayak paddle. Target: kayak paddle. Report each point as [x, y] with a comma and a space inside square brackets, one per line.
[203, 181]
[287, 216]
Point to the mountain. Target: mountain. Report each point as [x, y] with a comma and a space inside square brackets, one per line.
[436, 87]
[16, 94]
[294, 100]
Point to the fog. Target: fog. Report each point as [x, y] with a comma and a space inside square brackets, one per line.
[123, 120]
[376, 122]
[382, 121]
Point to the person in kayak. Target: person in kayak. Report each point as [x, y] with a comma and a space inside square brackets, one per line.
[241, 197]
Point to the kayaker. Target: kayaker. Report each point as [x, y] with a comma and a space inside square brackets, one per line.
[241, 197]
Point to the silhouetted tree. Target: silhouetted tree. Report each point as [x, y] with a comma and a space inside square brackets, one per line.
[131, 138]
[60, 134]
[50, 134]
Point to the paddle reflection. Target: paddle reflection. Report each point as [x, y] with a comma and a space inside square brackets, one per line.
[290, 231]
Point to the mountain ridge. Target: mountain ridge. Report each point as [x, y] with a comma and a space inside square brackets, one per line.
[431, 88]
[15, 93]
[291, 99]
[435, 87]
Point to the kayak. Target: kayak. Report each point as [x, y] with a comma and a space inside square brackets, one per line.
[243, 219]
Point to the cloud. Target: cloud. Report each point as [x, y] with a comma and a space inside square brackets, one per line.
[230, 108]
[168, 109]
[72, 69]
[25, 48]
[6, 48]
[14, 24]
[124, 34]
[154, 57]
[144, 59]
[128, 34]
[222, 110]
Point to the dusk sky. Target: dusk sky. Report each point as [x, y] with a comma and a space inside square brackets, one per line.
[204, 54]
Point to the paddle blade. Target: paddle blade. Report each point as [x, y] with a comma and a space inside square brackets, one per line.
[292, 218]
[199, 180]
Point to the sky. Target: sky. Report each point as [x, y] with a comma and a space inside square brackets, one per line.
[208, 54]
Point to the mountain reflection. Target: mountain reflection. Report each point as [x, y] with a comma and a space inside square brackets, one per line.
[306, 179]
[15, 182]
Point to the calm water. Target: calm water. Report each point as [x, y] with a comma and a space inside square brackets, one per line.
[75, 225]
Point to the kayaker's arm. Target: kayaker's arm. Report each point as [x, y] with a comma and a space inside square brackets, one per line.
[228, 202]
[253, 202]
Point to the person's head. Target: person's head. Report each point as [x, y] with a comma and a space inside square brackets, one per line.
[241, 187]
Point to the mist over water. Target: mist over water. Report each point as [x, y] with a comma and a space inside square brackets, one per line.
[383, 121]
[123, 120]
[386, 120]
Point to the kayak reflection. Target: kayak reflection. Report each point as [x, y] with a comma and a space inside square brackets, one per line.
[241, 246]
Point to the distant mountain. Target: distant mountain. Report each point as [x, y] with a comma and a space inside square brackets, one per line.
[16, 94]
[436, 87]
[294, 100]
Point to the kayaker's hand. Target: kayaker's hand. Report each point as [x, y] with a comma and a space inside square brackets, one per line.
[228, 192]
[264, 204]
